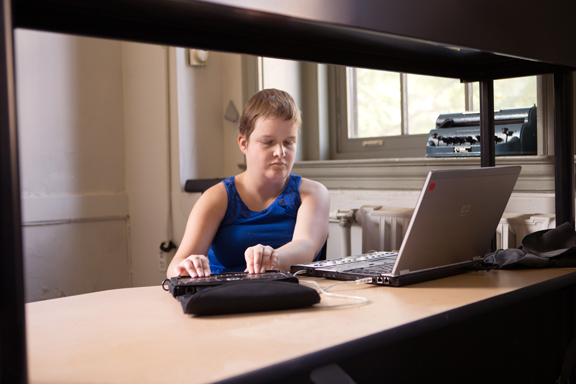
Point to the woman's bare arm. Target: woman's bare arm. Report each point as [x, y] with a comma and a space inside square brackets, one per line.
[203, 223]
[311, 228]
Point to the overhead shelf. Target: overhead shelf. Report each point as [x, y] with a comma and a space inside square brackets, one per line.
[302, 32]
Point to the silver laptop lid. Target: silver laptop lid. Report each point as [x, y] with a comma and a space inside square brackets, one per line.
[456, 217]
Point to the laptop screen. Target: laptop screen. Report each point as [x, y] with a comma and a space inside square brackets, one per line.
[456, 217]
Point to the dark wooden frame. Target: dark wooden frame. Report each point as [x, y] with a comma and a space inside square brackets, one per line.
[444, 39]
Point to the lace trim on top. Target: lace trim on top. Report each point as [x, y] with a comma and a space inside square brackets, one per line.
[237, 210]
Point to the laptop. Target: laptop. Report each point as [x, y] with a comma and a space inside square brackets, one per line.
[451, 229]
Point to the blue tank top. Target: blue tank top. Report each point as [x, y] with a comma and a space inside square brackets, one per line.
[242, 228]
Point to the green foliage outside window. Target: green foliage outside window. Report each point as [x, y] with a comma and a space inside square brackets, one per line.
[377, 111]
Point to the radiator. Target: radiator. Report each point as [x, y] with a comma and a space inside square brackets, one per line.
[384, 228]
[513, 228]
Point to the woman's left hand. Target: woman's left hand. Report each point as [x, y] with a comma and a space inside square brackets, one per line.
[260, 258]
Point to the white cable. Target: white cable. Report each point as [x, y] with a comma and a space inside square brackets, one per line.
[362, 300]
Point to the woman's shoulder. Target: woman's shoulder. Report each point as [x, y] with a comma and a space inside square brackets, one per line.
[312, 188]
[217, 195]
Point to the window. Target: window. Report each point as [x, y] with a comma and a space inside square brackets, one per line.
[388, 114]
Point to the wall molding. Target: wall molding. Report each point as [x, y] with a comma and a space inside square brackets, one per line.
[73, 208]
[409, 173]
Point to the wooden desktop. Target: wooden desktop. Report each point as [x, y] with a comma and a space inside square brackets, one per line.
[140, 335]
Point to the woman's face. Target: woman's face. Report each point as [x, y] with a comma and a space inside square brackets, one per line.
[271, 149]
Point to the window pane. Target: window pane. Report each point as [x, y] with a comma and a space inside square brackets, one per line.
[374, 100]
[510, 93]
[429, 97]
[377, 111]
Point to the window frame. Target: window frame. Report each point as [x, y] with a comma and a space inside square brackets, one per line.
[400, 146]
[343, 147]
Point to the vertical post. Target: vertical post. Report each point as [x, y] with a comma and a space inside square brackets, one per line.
[404, 126]
[13, 366]
[352, 96]
[564, 148]
[564, 165]
[469, 92]
[487, 146]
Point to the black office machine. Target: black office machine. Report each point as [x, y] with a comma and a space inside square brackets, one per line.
[458, 134]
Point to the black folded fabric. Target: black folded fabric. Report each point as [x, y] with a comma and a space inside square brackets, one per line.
[248, 296]
[542, 249]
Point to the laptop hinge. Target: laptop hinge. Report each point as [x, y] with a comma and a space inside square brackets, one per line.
[405, 272]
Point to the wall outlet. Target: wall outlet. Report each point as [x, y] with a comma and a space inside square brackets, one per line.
[162, 262]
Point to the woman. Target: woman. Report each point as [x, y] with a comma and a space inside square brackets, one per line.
[264, 218]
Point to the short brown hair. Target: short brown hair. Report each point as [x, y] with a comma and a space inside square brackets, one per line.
[268, 103]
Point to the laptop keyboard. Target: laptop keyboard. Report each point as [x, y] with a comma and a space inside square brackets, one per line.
[375, 269]
[372, 256]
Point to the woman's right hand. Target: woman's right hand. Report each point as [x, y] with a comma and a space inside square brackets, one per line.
[194, 265]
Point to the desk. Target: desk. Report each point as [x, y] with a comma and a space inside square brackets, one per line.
[140, 335]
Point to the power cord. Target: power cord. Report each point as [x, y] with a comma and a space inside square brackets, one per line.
[361, 300]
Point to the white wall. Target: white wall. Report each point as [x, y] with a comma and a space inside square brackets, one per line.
[146, 124]
[199, 99]
[70, 115]
[104, 129]
[231, 88]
